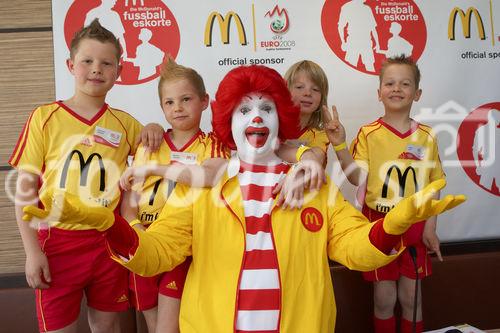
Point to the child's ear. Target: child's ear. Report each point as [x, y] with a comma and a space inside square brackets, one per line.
[205, 100]
[70, 64]
[418, 93]
[379, 97]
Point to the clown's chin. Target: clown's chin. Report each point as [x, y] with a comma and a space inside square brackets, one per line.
[257, 140]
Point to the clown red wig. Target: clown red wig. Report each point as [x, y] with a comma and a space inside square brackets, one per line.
[244, 80]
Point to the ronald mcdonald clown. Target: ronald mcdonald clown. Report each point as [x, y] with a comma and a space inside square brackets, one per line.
[255, 267]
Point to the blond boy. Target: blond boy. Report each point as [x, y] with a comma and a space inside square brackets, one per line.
[394, 157]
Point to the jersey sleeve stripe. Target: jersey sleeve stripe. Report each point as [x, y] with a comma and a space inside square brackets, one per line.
[219, 149]
[212, 147]
[48, 118]
[423, 129]
[19, 148]
[355, 143]
[23, 137]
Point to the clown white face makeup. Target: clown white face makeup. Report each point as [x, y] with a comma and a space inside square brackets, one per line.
[255, 129]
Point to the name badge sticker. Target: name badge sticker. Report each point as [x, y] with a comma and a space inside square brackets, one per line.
[184, 158]
[417, 151]
[107, 137]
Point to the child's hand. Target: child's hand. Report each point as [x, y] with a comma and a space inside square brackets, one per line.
[290, 190]
[333, 127]
[68, 208]
[431, 241]
[133, 176]
[151, 137]
[314, 173]
[419, 207]
[126, 179]
[37, 270]
[306, 174]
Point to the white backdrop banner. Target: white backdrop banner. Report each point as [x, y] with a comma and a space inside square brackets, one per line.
[455, 43]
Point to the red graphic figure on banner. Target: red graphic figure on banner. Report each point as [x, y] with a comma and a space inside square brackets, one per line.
[397, 45]
[147, 55]
[110, 20]
[146, 32]
[478, 146]
[357, 27]
[363, 33]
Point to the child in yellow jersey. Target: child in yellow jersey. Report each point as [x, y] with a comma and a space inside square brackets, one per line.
[183, 99]
[80, 146]
[308, 86]
[394, 157]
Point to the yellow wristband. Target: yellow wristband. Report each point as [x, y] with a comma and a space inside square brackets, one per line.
[339, 147]
[300, 151]
[135, 222]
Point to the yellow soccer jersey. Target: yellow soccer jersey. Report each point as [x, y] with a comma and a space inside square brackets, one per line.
[156, 190]
[312, 138]
[398, 164]
[83, 157]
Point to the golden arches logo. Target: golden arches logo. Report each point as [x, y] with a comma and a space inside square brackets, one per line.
[225, 27]
[466, 20]
[401, 180]
[84, 169]
[311, 219]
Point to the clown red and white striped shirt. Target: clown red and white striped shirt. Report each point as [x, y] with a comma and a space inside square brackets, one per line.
[259, 297]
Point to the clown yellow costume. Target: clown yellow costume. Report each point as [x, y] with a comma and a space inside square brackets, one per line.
[210, 225]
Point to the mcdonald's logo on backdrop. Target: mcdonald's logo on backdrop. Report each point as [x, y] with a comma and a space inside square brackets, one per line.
[84, 169]
[466, 20]
[401, 179]
[225, 27]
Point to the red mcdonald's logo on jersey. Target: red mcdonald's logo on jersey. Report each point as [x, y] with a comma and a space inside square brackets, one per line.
[311, 219]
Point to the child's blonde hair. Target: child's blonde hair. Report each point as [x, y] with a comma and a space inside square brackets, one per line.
[171, 71]
[318, 76]
[97, 32]
[401, 60]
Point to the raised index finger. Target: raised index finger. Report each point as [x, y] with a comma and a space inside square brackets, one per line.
[326, 114]
[335, 113]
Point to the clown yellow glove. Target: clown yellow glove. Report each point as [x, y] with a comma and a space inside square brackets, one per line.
[68, 208]
[419, 207]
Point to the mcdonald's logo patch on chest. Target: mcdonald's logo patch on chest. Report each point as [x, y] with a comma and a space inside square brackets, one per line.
[311, 219]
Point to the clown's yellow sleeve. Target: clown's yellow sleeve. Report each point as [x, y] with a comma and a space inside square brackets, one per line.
[348, 236]
[167, 242]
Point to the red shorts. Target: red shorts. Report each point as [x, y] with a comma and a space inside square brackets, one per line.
[403, 265]
[79, 262]
[144, 290]
[172, 283]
